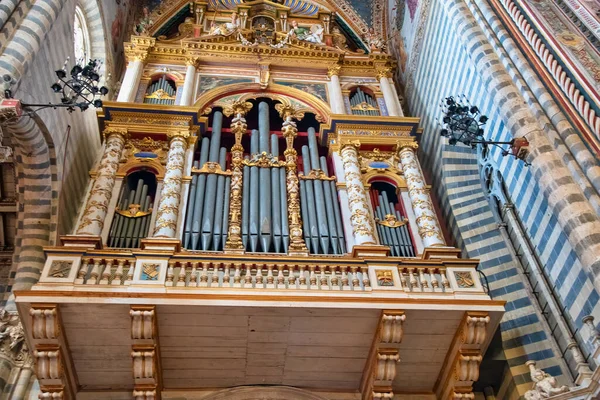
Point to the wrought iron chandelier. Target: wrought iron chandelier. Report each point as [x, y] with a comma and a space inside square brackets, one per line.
[79, 88]
[463, 123]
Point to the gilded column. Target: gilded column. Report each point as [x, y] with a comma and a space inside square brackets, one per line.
[238, 127]
[335, 89]
[363, 226]
[427, 222]
[168, 208]
[96, 207]
[290, 131]
[389, 94]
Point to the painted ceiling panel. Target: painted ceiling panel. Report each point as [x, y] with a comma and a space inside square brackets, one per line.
[363, 8]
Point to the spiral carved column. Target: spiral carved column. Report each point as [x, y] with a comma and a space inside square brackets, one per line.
[238, 128]
[363, 226]
[96, 207]
[290, 131]
[168, 208]
[427, 222]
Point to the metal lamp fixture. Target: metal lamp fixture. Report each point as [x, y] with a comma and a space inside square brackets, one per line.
[463, 123]
[79, 88]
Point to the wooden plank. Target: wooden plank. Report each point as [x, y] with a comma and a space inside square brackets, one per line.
[194, 364]
[312, 364]
[339, 339]
[334, 325]
[361, 352]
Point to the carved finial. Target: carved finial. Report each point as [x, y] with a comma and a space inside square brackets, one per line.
[289, 111]
[237, 108]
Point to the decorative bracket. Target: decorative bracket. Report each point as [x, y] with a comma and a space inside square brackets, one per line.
[145, 353]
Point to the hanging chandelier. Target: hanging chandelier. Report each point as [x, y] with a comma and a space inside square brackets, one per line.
[79, 88]
[464, 123]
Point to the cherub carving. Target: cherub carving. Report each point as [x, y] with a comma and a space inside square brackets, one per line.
[544, 385]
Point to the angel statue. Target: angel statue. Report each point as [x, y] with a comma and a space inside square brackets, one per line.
[142, 28]
[314, 35]
[544, 385]
[225, 29]
[375, 42]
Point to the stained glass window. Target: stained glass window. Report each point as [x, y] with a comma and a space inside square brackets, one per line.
[81, 37]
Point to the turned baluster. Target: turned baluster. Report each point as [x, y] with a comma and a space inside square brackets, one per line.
[215, 275]
[182, 274]
[302, 279]
[312, 277]
[292, 277]
[365, 276]
[106, 273]
[414, 284]
[270, 277]
[445, 281]
[335, 282]
[194, 275]
[118, 273]
[280, 277]
[204, 275]
[424, 283]
[355, 280]
[403, 281]
[259, 276]
[83, 270]
[237, 276]
[170, 273]
[248, 276]
[226, 274]
[323, 280]
[130, 270]
[95, 273]
[345, 280]
[435, 284]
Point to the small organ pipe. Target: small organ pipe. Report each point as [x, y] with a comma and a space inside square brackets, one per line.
[220, 198]
[254, 199]
[329, 207]
[211, 182]
[225, 217]
[187, 234]
[304, 211]
[385, 205]
[200, 195]
[136, 200]
[310, 197]
[285, 230]
[116, 227]
[275, 198]
[138, 221]
[125, 227]
[336, 206]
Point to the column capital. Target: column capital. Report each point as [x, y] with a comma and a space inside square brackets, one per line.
[334, 70]
[181, 135]
[355, 144]
[192, 61]
[383, 72]
[403, 146]
[237, 108]
[288, 110]
[137, 49]
[110, 131]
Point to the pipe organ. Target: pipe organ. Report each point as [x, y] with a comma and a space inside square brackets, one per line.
[132, 217]
[392, 225]
[162, 91]
[362, 103]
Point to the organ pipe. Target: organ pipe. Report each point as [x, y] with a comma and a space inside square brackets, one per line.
[160, 92]
[132, 217]
[392, 226]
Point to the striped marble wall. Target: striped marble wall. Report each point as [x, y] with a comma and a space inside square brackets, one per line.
[444, 69]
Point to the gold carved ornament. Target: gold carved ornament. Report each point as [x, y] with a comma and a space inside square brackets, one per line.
[317, 174]
[391, 221]
[364, 106]
[134, 211]
[160, 94]
[211, 167]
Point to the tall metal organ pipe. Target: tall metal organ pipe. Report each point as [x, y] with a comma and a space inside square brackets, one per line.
[396, 237]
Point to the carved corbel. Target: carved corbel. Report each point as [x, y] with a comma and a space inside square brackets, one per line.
[44, 322]
[475, 330]
[391, 327]
[144, 364]
[142, 322]
[144, 394]
[385, 371]
[382, 395]
[48, 363]
[467, 366]
[462, 396]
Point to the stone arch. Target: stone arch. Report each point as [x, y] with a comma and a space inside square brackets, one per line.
[263, 393]
[318, 106]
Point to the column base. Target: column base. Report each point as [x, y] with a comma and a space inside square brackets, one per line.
[433, 253]
[82, 241]
[161, 244]
[361, 251]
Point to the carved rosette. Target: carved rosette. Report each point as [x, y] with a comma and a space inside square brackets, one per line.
[427, 222]
[363, 225]
[168, 208]
[96, 207]
[238, 128]
[290, 131]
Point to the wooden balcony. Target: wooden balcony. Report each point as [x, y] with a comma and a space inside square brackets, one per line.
[170, 323]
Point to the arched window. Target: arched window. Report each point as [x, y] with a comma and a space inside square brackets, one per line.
[81, 37]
